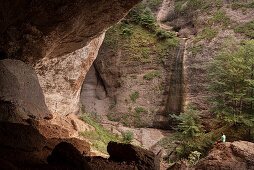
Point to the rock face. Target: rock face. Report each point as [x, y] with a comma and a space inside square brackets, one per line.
[59, 38]
[21, 95]
[61, 78]
[236, 155]
[57, 41]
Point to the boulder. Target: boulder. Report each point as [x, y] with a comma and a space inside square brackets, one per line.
[142, 158]
[66, 153]
[236, 155]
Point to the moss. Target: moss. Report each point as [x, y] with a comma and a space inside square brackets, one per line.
[247, 29]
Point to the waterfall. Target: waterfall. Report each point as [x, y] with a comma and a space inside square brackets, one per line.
[174, 104]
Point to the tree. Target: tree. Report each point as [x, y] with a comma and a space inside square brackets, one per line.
[232, 83]
[188, 129]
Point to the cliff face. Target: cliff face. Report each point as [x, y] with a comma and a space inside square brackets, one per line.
[60, 39]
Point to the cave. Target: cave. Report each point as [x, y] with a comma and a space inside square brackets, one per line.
[46, 49]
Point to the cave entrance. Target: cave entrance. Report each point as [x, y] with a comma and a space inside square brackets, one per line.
[93, 96]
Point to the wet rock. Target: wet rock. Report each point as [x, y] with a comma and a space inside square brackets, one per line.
[126, 152]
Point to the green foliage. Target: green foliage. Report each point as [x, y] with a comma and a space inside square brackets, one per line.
[154, 3]
[134, 96]
[112, 106]
[247, 29]
[115, 119]
[147, 20]
[188, 130]
[162, 35]
[206, 6]
[237, 5]
[196, 49]
[178, 6]
[232, 83]
[151, 75]
[140, 110]
[127, 136]
[195, 4]
[220, 17]
[99, 137]
[207, 33]
[219, 3]
[125, 29]
[134, 76]
[135, 14]
[194, 157]
[83, 108]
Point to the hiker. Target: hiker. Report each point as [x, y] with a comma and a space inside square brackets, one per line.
[223, 138]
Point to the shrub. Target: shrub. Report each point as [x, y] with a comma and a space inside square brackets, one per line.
[151, 75]
[116, 119]
[83, 108]
[127, 136]
[147, 20]
[135, 14]
[162, 35]
[194, 157]
[134, 76]
[140, 110]
[219, 3]
[237, 5]
[134, 96]
[207, 33]
[247, 28]
[178, 6]
[112, 106]
[155, 2]
[220, 17]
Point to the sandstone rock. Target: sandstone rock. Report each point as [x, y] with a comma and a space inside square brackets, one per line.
[125, 152]
[235, 156]
[60, 39]
[20, 93]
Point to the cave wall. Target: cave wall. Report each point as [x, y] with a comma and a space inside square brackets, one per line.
[60, 39]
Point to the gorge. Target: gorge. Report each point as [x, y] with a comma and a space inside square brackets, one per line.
[77, 74]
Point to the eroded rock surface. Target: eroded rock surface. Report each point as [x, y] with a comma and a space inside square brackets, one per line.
[235, 155]
[125, 152]
[59, 38]
[21, 95]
